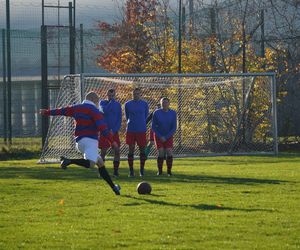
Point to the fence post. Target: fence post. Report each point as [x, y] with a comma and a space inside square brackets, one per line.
[72, 40]
[9, 124]
[45, 102]
[4, 88]
[179, 72]
[274, 113]
[81, 49]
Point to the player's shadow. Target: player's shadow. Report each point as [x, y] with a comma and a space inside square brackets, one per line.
[204, 207]
[77, 173]
[180, 177]
[47, 173]
[232, 160]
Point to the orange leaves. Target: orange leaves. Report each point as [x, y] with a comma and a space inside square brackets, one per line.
[120, 61]
[140, 11]
[146, 41]
[128, 48]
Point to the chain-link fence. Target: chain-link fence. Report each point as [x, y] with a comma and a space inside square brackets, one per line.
[26, 80]
[21, 89]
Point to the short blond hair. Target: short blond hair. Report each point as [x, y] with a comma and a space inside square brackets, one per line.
[92, 96]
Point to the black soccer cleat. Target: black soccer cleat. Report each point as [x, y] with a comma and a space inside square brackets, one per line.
[169, 173]
[159, 172]
[117, 189]
[64, 162]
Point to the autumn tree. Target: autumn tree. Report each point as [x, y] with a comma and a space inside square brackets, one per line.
[128, 48]
[146, 41]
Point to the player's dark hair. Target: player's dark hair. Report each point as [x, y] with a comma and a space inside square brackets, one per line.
[137, 89]
[111, 90]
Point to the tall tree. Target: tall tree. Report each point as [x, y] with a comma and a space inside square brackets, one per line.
[128, 48]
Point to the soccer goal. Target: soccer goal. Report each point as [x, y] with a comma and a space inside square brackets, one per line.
[217, 114]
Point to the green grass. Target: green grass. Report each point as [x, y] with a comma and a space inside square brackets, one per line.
[209, 203]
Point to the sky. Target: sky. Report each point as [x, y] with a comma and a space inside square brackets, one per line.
[27, 14]
[26, 20]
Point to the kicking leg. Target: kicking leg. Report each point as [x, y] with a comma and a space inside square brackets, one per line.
[104, 174]
[65, 162]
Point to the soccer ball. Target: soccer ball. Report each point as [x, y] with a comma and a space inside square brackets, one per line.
[144, 188]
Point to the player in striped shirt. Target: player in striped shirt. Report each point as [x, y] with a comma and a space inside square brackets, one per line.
[89, 121]
[164, 124]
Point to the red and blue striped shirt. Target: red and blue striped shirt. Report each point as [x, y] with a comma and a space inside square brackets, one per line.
[88, 120]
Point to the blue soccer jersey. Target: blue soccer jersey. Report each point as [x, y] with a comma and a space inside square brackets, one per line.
[112, 113]
[136, 113]
[164, 123]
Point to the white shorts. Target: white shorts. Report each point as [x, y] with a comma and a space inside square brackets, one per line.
[89, 148]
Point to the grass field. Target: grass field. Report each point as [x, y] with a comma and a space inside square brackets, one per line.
[209, 203]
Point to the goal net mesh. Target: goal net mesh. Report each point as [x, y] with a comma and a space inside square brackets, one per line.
[215, 114]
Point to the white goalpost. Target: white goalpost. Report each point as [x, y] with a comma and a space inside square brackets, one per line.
[217, 114]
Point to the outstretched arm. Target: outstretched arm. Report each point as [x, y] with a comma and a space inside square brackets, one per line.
[65, 111]
[43, 111]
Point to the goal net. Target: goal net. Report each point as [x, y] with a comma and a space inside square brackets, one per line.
[216, 113]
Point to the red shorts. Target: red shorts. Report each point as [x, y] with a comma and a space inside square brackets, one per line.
[167, 144]
[136, 137]
[151, 135]
[104, 143]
